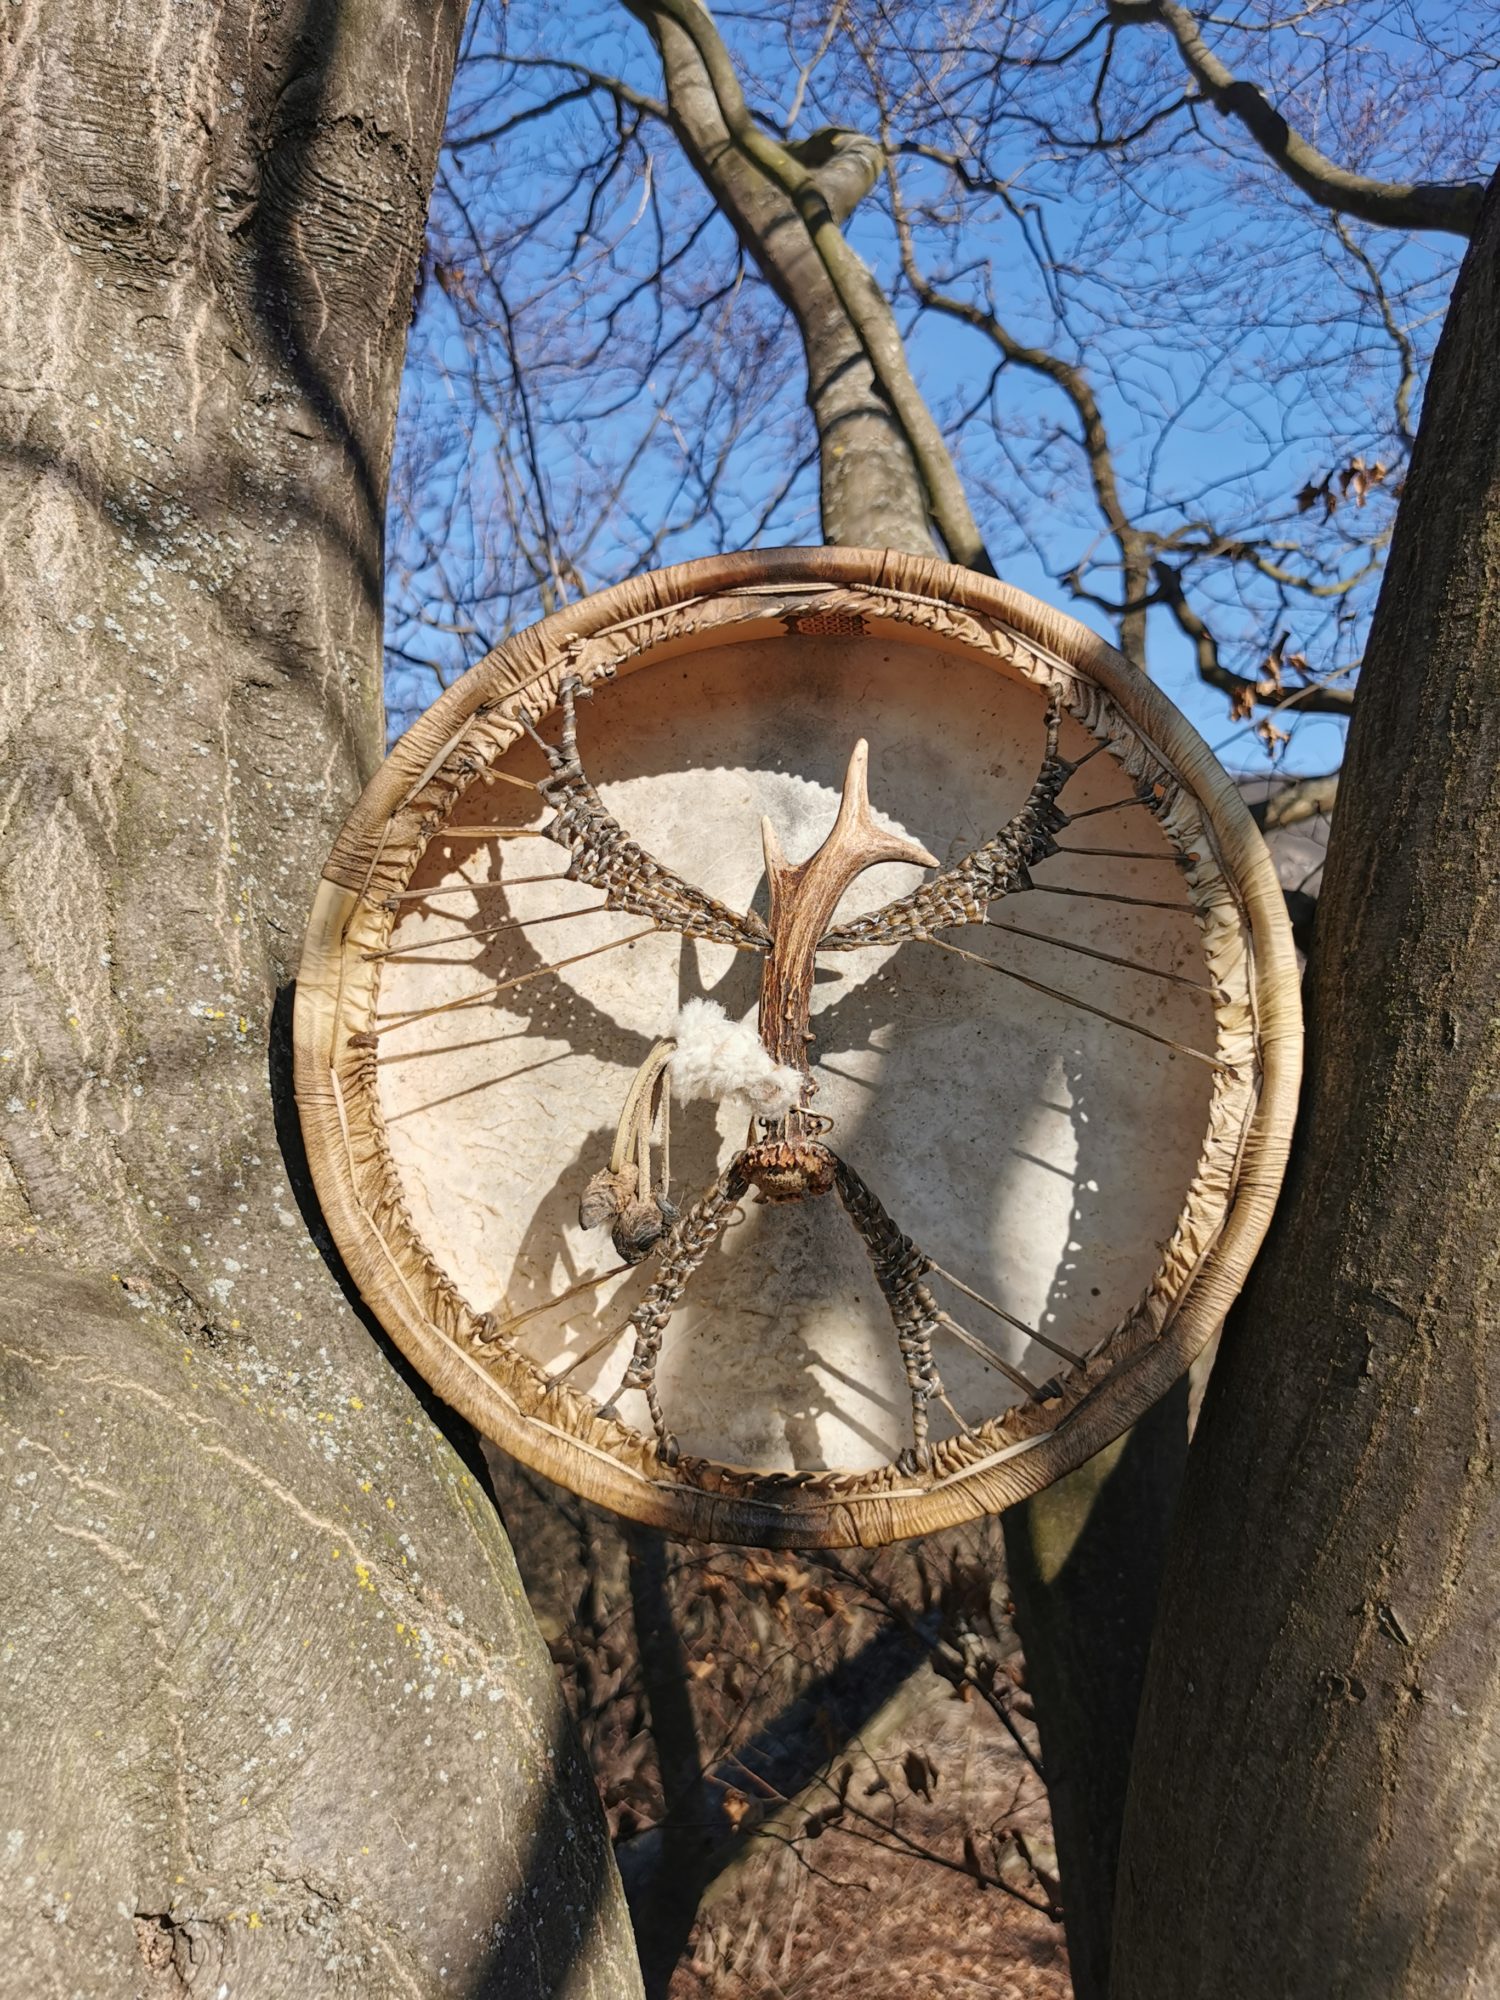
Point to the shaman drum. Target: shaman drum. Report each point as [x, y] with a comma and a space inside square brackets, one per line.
[816, 1182]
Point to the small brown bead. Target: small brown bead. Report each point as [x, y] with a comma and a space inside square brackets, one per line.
[640, 1228]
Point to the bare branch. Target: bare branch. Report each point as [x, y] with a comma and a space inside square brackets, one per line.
[864, 306]
[1291, 804]
[1094, 439]
[1244, 693]
[1406, 387]
[1451, 207]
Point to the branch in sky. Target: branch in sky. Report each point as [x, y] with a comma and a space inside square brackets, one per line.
[1448, 206]
[860, 300]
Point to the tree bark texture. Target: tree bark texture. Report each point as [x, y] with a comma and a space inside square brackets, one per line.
[1315, 1807]
[276, 1719]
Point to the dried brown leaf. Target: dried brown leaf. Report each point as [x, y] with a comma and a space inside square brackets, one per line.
[920, 1773]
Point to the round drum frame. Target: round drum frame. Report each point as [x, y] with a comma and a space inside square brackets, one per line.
[692, 607]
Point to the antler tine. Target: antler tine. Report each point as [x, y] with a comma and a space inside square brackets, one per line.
[856, 832]
[855, 841]
[962, 893]
[804, 898]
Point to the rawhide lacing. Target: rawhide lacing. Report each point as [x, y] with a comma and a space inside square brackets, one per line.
[789, 1162]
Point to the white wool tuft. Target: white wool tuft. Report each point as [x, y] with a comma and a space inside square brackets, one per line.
[716, 1058]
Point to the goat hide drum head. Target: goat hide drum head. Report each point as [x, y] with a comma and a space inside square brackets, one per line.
[823, 1182]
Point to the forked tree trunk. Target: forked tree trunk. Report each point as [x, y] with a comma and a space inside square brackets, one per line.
[870, 491]
[276, 1720]
[1315, 1809]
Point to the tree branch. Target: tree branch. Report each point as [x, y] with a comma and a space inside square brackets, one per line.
[863, 305]
[1313, 699]
[1290, 805]
[1074, 383]
[1451, 207]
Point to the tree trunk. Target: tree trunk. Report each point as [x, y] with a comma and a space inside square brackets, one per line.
[276, 1717]
[870, 491]
[1084, 1559]
[1315, 1809]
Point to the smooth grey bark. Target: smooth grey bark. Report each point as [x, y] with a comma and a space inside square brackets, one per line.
[275, 1716]
[870, 491]
[1451, 207]
[1084, 1561]
[1315, 1806]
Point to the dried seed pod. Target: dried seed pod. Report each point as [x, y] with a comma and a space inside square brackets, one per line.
[640, 1228]
[605, 1197]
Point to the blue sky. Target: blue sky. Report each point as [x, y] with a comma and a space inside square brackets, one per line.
[569, 416]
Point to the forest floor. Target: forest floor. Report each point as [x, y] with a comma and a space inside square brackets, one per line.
[881, 1901]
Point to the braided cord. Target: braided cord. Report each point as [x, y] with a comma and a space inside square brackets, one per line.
[963, 893]
[899, 1268]
[605, 857]
[682, 1251]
